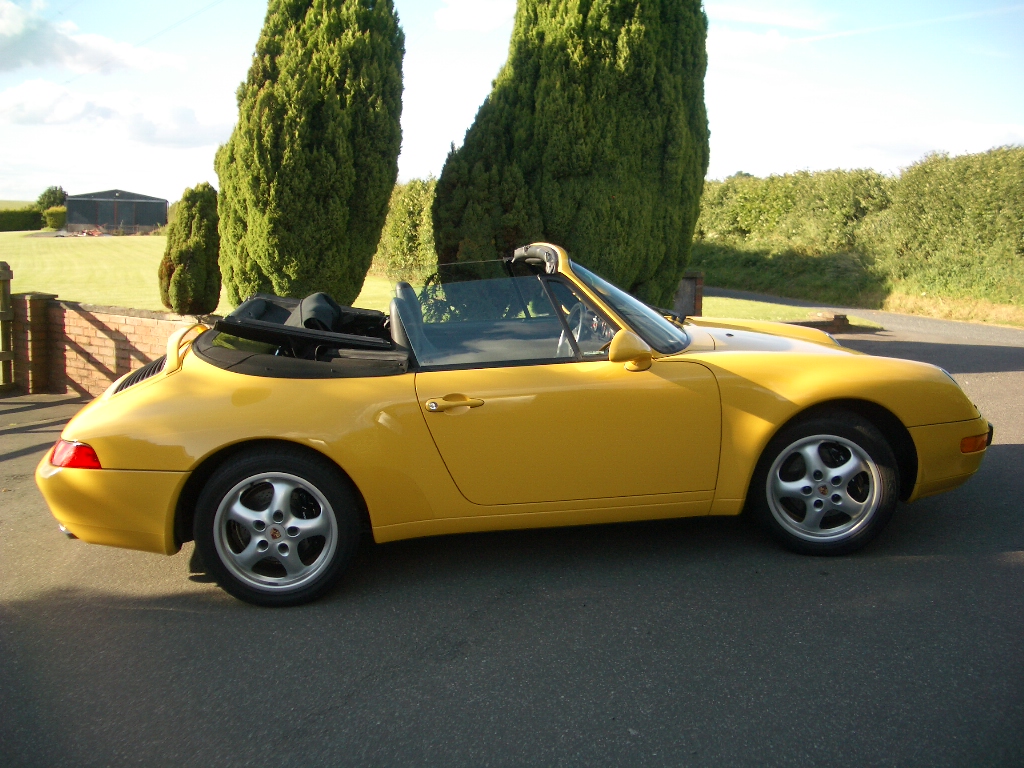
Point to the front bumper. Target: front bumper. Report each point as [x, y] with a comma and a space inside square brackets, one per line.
[119, 508]
[940, 464]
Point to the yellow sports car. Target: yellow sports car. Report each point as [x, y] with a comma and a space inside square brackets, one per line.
[519, 393]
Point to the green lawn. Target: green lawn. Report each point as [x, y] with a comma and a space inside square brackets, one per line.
[14, 204]
[121, 272]
[115, 271]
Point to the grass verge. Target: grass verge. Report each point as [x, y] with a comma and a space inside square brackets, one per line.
[968, 310]
[112, 271]
[122, 272]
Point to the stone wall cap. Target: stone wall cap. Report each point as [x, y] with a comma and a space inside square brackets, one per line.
[37, 295]
[130, 312]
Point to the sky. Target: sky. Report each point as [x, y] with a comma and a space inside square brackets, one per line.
[101, 94]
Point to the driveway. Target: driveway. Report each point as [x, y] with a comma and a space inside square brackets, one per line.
[692, 642]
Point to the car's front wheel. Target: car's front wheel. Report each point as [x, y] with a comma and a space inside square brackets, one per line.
[826, 485]
[276, 526]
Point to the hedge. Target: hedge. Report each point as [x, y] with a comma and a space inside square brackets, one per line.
[21, 220]
[55, 216]
[947, 226]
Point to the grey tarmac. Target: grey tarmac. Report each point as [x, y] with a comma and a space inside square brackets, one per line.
[691, 642]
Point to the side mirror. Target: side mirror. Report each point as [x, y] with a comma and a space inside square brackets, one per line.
[630, 349]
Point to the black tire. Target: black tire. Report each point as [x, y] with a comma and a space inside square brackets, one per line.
[277, 526]
[825, 485]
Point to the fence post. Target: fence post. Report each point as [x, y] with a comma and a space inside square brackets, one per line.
[689, 298]
[6, 329]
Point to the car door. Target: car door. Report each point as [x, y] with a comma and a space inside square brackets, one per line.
[575, 430]
[563, 423]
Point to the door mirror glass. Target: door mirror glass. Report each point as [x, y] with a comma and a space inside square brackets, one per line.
[630, 349]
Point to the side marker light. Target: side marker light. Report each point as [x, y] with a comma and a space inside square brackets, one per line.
[974, 444]
[74, 456]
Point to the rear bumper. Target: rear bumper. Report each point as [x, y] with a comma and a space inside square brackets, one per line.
[119, 508]
[940, 464]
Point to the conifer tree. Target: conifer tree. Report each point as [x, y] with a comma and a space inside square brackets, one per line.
[594, 137]
[52, 197]
[189, 274]
[406, 249]
[308, 171]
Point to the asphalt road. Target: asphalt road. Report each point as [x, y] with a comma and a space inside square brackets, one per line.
[694, 642]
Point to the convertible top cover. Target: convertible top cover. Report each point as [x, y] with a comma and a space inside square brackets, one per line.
[310, 338]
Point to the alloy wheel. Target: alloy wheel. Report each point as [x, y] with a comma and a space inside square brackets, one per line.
[275, 531]
[823, 488]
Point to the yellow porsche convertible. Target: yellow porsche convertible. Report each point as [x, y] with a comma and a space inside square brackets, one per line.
[519, 393]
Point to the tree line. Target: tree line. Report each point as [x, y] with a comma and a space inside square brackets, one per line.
[594, 136]
[946, 227]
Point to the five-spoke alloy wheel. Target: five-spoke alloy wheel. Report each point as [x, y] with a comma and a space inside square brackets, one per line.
[826, 485]
[276, 527]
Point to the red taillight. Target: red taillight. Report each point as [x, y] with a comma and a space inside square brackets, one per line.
[74, 456]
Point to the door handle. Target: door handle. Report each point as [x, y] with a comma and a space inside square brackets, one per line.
[451, 402]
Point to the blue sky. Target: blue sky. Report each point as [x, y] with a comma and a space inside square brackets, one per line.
[110, 93]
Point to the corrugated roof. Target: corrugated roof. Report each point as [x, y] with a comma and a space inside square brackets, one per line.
[117, 195]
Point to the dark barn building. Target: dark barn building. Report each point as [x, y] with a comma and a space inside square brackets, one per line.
[115, 211]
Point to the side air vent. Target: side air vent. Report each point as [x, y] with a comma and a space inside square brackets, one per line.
[149, 369]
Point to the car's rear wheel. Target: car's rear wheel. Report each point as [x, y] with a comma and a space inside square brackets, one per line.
[826, 485]
[276, 526]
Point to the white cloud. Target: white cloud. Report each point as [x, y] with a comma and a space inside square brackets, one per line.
[760, 17]
[27, 40]
[726, 45]
[148, 121]
[177, 127]
[474, 15]
[40, 102]
[805, 124]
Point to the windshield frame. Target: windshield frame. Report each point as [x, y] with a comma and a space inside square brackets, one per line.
[630, 309]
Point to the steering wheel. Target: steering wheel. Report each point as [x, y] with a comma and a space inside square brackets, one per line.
[575, 320]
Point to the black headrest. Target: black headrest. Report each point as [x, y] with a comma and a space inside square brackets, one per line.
[319, 312]
[407, 294]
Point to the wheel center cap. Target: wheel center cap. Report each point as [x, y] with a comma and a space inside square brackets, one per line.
[822, 489]
[275, 534]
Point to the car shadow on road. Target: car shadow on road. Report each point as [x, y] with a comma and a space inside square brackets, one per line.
[955, 358]
[980, 518]
[453, 632]
[976, 520]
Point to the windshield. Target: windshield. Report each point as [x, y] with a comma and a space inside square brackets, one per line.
[648, 323]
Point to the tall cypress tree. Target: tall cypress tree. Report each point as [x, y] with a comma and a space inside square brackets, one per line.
[406, 249]
[189, 275]
[595, 137]
[308, 171]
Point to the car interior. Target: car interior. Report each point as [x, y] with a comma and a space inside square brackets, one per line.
[481, 313]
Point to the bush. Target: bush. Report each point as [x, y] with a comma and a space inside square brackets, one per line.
[306, 176]
[958, 227]
[406, 248]
[189, 273]
[809, 212]
[55, 217]
[950, 227]
[21, 220]
[595, 137]
[52, 198]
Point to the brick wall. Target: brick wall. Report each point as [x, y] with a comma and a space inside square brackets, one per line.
[64, 346]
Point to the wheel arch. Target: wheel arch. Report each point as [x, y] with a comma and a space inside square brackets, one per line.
[185, 509]
[892, 429]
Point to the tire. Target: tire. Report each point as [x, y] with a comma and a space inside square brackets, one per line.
[826, 485]
[277, 526]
